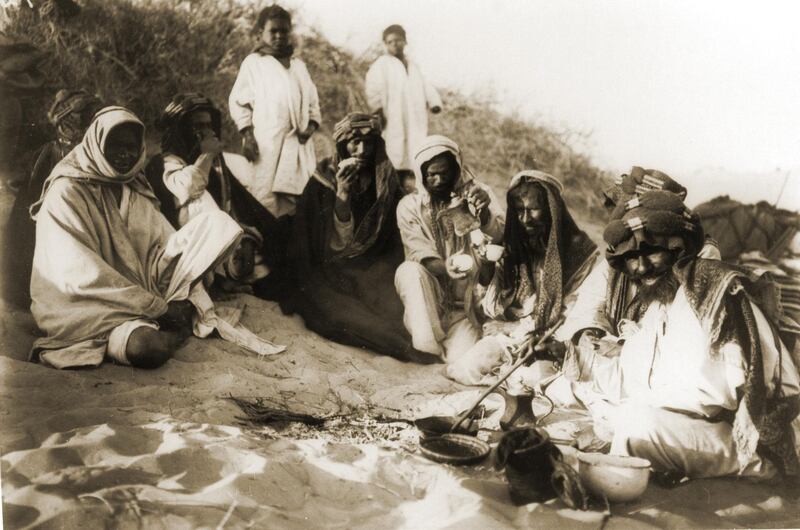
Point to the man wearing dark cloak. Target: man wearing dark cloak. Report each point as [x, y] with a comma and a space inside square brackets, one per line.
[345, 246]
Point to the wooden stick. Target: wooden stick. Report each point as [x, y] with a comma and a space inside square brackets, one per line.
[547, 334]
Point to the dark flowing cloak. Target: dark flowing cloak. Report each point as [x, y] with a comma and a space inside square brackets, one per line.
[20, 234]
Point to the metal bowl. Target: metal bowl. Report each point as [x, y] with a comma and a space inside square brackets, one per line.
[456, 449]
[618, 478]
[433, 426]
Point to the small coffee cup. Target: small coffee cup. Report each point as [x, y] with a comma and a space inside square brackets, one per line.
[494, 252]
[477, 237]
[462, 262]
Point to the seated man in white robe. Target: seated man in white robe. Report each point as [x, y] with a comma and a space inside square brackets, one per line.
[601, 299]
[546, 258]
[436, 282]
[111, 278]
[192, 176]
[699, 383]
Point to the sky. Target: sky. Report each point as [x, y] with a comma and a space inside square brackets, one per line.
[707, 91]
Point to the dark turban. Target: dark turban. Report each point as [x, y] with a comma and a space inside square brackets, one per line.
[640, 181]
[397, 29]
[356, 124]
[173, 122]
[71, 113]
[658, 218]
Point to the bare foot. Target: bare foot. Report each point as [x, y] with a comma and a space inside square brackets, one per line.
[151, 348]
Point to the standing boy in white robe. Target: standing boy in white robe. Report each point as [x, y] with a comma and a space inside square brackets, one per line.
[398, 93]
[275, 106]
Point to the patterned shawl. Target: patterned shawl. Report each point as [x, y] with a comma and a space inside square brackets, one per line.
[721, 294]
[567, 251]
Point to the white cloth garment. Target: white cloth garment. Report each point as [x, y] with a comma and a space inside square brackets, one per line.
[278, 103]
[405, 98]
[433, 329]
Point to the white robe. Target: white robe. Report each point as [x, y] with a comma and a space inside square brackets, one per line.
[278, 103]
[659, 398]
[405, 97]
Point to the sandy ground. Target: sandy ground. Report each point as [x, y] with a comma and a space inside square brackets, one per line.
[120, 447]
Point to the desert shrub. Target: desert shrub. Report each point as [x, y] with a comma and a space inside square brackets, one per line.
[139, 54]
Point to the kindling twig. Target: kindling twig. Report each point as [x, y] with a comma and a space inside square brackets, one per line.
[522, 360]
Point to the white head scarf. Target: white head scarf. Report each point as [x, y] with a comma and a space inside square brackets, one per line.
[533, 174]
[90, 153]
[87, 159]
[431, 147]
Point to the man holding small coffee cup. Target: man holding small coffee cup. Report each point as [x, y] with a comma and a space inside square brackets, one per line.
[437, 279]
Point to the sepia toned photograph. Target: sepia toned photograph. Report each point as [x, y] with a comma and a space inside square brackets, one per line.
[410, 264]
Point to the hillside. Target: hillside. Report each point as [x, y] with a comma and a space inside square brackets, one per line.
[141, 53]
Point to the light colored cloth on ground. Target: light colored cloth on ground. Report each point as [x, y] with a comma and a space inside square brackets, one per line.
[433, 328]
[405, 97]
[666, 364]
[278, 103]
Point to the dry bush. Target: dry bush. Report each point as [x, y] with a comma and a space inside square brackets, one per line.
[139, 54]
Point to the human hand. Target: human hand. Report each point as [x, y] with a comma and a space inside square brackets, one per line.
[249, 145]
[456, 266]
[589, 339]
[244, 259]
[478, 198]
[551, 349]
[178, 317]
[345, 177]
[211, 145]
[304, 135]
[381, 117]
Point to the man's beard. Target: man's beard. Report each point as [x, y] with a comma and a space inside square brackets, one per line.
[662, 291]
[537, 243]
[440, 197]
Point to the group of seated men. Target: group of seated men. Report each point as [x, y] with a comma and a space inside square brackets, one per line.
[673, 352]
[682, 343]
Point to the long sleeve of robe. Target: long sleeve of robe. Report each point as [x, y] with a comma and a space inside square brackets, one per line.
[186, 181]
[278, 103]
[405, 97]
